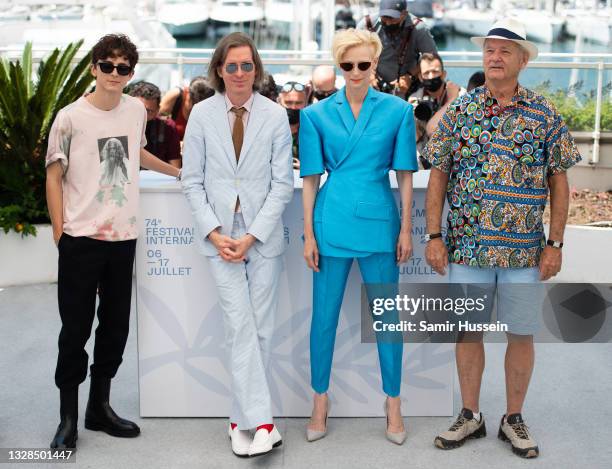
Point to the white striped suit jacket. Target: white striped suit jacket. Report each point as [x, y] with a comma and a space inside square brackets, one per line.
[263, 177]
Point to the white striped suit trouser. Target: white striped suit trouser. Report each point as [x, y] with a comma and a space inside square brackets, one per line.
[248, 295]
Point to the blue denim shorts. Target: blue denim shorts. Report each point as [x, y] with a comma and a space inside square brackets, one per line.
[518, 306]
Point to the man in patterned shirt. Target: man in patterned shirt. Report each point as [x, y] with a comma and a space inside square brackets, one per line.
[497, 153]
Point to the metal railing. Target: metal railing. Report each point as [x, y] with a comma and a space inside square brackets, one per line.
[546, 60]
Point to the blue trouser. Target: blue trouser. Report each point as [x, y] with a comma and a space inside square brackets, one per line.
[328, 290]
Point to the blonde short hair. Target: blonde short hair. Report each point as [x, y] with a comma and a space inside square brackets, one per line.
[347, 38]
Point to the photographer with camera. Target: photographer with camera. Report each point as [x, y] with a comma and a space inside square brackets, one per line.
[404, 38]
[434, 96]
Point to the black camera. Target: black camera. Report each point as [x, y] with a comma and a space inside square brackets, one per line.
[385, 86]
[426, 107]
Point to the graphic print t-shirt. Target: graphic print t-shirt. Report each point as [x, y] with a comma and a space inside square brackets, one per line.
[100, 154]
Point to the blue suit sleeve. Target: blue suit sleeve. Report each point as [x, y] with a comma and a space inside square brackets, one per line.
[404, 153]
[311, 148]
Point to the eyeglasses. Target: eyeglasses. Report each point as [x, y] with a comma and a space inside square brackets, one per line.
[349, 66]
[108, 67]
[244, 66]
[292, 85]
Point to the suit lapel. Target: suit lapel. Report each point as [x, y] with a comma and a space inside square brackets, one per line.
[254, 125]
[364, 117]
[224, 132]
[344, 110]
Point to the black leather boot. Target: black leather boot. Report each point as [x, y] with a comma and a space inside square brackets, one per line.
[67, 434]
[100, 416]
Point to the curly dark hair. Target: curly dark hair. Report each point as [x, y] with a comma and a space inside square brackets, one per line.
[268, 88]
[199, 89]
[114, 46]
[145, 90]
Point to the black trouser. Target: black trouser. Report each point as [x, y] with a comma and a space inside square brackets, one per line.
[87, 266]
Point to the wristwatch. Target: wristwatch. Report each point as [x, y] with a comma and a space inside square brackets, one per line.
[429, 236]
[554, 244]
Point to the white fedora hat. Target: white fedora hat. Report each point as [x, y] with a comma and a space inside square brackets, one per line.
[509, 29]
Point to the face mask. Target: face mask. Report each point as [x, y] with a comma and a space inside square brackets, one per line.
[433, 84]
[391, 28]
[319, 95]
[294, 116]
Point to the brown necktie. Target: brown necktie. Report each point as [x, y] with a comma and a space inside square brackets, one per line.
[238, 131]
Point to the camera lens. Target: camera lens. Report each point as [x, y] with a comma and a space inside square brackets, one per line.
[423, 111]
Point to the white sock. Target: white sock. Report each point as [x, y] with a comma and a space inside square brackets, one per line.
[477, 416]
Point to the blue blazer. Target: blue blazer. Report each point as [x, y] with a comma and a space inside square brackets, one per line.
[355, 212]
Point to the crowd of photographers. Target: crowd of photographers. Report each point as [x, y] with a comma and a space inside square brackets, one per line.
[409, 67]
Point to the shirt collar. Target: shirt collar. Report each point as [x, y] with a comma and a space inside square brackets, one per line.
[247, 105]
[522, 94]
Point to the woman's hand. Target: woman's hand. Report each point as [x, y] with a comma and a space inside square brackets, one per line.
[404, 247]
[311, 253]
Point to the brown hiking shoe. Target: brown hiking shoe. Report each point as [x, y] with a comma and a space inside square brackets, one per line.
[464, 428]
[514, 430]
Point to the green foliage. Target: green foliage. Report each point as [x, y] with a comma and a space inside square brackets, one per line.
[578, 108]
[27, 109]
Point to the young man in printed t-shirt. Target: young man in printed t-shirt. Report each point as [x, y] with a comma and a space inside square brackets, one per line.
[96, 147]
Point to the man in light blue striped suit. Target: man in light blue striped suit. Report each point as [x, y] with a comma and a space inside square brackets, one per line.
[238, 178]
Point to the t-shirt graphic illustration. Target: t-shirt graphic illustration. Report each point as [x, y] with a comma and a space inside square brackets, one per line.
[114, 161]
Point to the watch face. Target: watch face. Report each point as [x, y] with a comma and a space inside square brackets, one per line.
[429, 236]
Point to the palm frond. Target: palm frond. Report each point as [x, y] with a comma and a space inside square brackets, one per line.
[27, 109]
[26, 63]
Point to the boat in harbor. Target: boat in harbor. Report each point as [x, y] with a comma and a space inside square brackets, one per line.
[280, 17]
[541, 25]
[184, 17]
[58, 12]
[11, 13]
[280, 11]
[237, 11]
[99, 17]
[470, 22]
[594, 25]
[541, 22]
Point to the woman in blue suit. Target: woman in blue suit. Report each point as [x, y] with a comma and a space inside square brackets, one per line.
[357, 135]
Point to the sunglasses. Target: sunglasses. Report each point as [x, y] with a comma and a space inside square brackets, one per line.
[292, 85]
[108, 67]
[244, 66]
[349, 66]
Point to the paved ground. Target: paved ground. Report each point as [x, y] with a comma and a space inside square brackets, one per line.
[569, 409]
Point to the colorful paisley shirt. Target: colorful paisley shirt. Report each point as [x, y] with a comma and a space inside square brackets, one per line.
[499, 160]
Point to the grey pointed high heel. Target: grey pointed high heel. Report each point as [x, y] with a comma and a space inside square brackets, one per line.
[397, 438]
[314, 435]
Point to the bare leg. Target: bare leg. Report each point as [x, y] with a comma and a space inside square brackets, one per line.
[470, 358]
[519, 367]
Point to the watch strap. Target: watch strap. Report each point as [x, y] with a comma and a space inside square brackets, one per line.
[430, 236]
